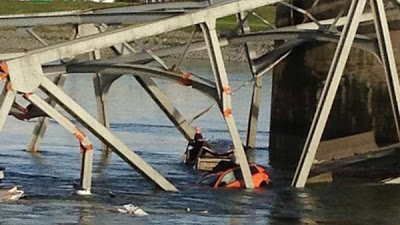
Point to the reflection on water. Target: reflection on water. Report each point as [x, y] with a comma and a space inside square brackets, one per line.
[47, 177]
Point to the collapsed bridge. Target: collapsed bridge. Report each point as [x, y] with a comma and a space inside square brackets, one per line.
[27, 73]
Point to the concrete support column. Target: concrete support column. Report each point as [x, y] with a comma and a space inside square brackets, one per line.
[328, 94]
[224, 92]
[84, 142]
[387, 58]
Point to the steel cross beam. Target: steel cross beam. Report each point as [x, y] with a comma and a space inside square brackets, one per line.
[101, 132]
[155, 6]
[328, 93]
[115, 15]
[360, 42]
[224, 93]
[46, 19]
[143, 71]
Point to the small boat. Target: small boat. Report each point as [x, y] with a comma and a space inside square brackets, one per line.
[210, 154]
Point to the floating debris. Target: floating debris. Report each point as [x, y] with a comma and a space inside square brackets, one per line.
[2, 173]
[392, 181]
[131, 209]
[111, 194]
[12, 194]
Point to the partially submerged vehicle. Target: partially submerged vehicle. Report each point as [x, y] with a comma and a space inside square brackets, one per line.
[210, 154]
[233, 178]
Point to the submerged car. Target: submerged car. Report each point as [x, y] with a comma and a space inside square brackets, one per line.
[233, 178]
[210, 154]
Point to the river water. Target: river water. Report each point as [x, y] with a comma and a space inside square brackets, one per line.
[48, 176]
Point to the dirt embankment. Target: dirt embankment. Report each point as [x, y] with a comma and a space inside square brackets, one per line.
[18, 40]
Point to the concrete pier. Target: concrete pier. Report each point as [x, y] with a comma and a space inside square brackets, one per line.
[362, 103]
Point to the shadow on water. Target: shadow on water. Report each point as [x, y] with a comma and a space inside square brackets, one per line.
[48, 177]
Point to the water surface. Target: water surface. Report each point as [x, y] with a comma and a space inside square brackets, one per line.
[48, 177]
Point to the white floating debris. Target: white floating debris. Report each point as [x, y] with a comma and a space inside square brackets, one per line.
[12, 194]
[392, 181]
[131, 209]
[83, 192]
[2, 173]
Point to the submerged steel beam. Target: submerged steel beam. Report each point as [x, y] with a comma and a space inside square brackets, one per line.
[105, 135]
[257, 89]
[328, 93]
[6, 101]
[224, 93]
[101, 103]
[43, 122]
[84, 142]
[387, 58]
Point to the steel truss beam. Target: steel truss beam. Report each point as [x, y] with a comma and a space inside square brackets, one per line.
[6, 101]
[156, 6]
[85, 144]
[79, 18]
[101, 132]
[161, 99]
[144, 71]
[360, 42]
[328, 93]
[24, 82]
[257, 88]
[43, 122]
[224, 93]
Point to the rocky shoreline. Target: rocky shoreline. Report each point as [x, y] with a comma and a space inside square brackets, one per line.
[19, 40]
